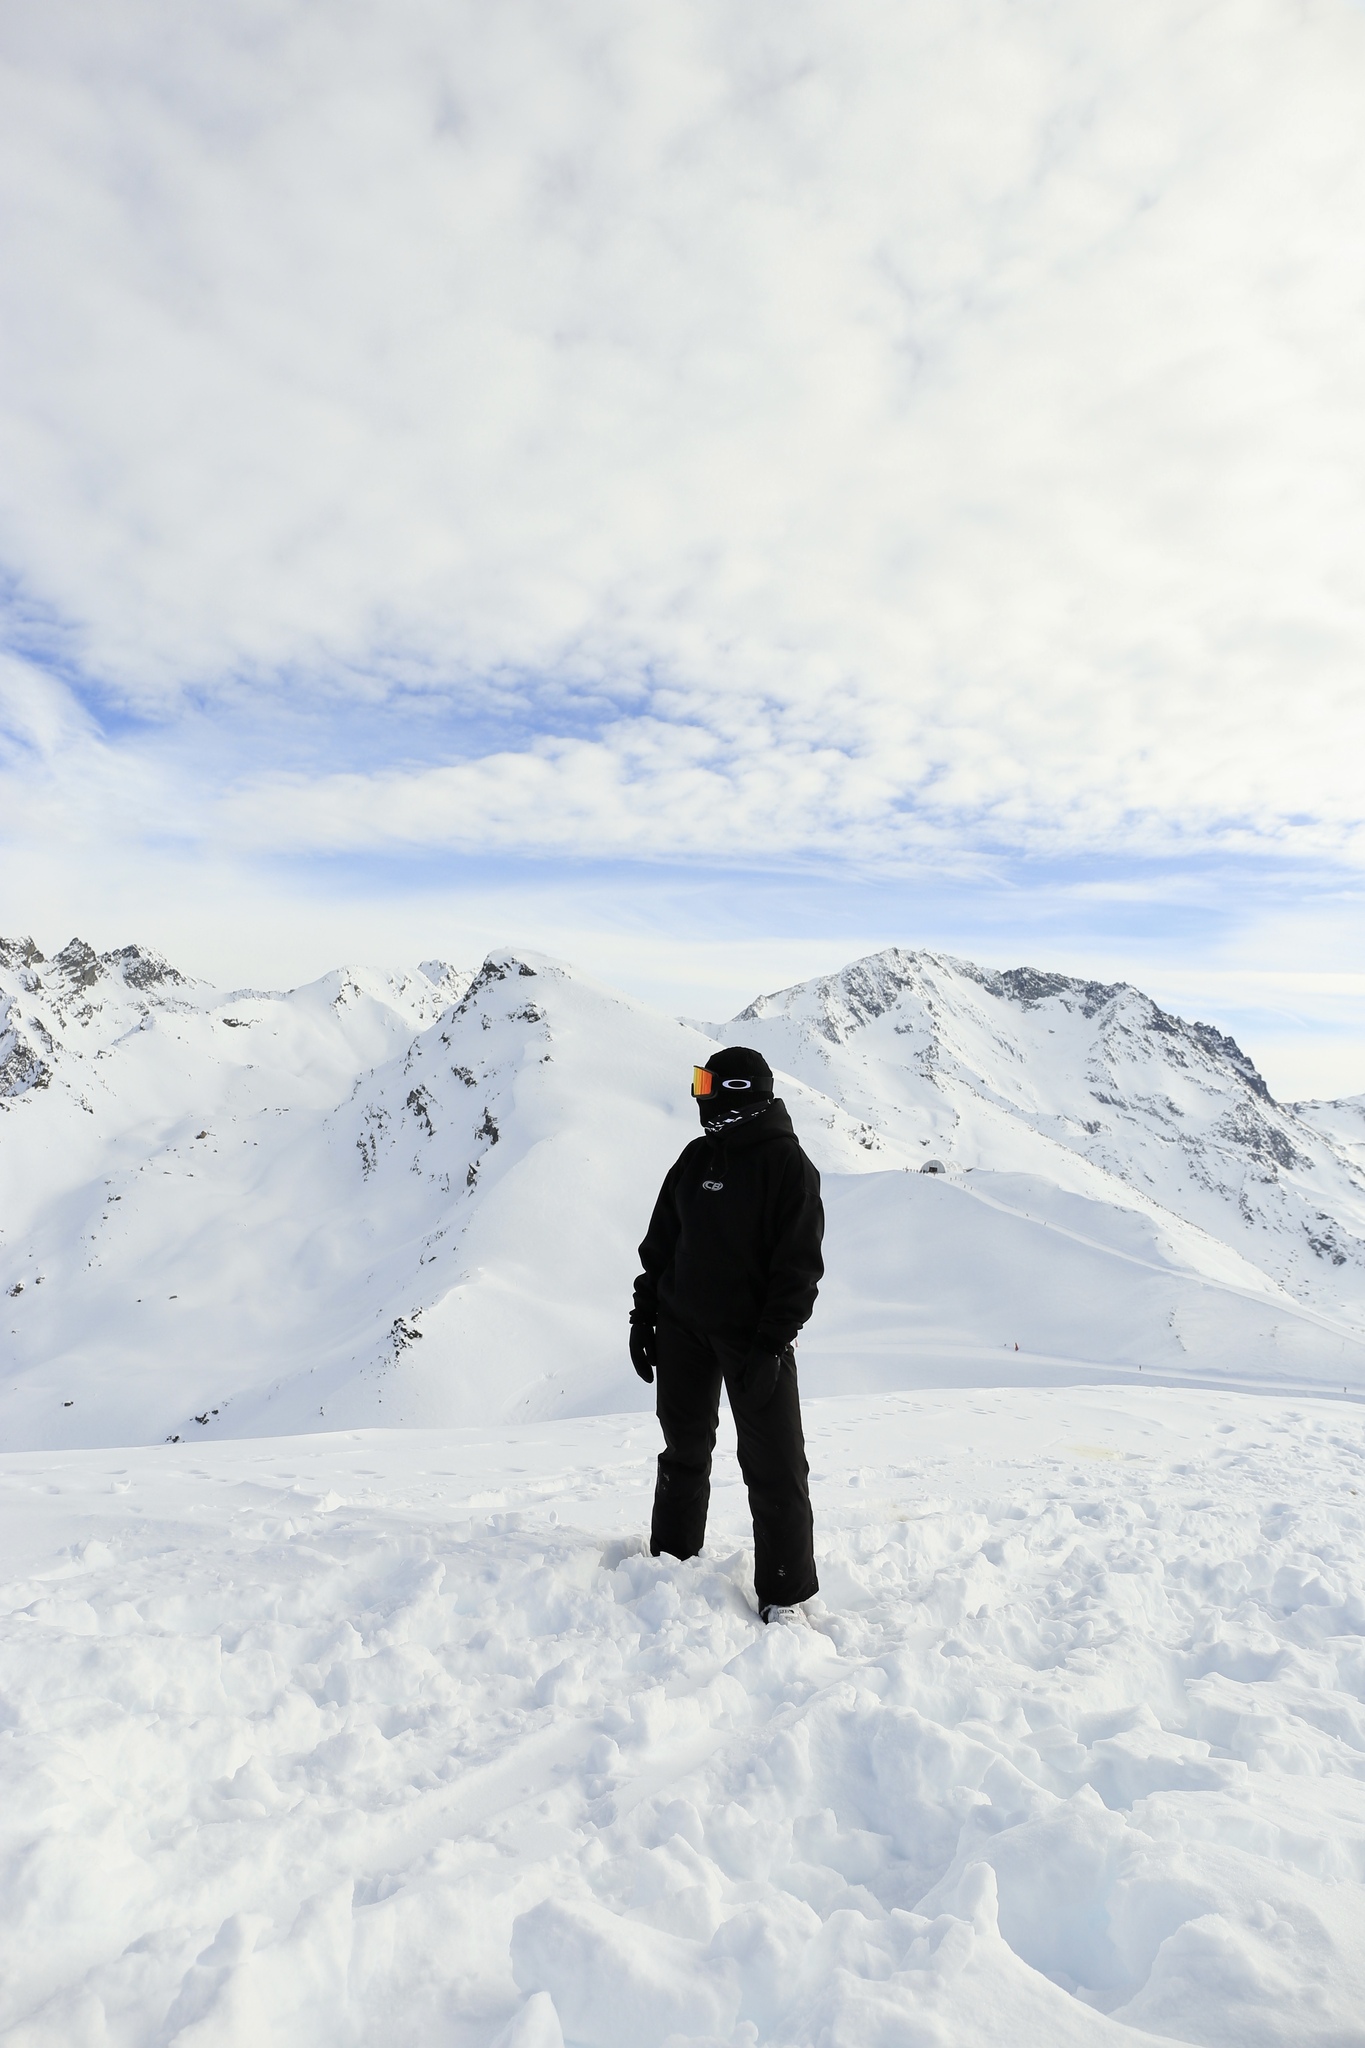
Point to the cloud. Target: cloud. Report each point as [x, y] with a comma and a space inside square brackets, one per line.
[695, 430]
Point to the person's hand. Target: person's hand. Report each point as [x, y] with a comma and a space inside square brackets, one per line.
[642, 1345]
[758, 1381]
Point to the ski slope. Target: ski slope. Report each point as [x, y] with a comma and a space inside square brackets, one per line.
[399, 1736]
[1008, 1279]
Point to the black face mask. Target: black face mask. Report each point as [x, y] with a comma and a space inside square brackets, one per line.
[735, 1102]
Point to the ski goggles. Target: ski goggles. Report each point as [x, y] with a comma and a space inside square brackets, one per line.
[704, 1083]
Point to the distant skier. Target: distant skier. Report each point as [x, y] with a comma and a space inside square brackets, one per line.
[731, 1267]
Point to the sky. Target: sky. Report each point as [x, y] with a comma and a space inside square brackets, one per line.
[705, 491]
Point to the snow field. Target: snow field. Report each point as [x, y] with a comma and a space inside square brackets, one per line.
[930, 1282]
[400, 1735]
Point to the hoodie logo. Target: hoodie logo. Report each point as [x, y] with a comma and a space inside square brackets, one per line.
[714, 1186]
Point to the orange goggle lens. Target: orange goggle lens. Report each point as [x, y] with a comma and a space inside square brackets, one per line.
[703, 1081]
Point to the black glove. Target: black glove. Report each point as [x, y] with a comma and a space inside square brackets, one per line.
[759, 1378]
[642, 1344]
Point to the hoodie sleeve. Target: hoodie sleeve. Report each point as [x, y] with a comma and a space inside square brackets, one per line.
[796, 1267]
[659, 1245]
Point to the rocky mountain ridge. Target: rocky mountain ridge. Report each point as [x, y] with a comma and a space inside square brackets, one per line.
[57, 1013]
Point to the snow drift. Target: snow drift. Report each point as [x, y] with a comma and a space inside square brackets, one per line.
[401, 1736]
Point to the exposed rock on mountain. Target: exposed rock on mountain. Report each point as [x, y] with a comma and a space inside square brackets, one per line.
[42, 1000]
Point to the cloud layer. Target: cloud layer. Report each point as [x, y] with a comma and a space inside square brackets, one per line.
[696, 430]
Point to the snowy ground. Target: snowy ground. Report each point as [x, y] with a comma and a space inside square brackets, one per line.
[398, 1735]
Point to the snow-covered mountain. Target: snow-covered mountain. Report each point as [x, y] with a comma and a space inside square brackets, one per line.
[416, 1198]
[1092, 1087]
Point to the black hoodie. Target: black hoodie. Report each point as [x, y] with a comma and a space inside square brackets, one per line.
[733, 1246]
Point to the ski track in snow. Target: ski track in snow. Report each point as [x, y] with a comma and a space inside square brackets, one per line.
[401, 1736]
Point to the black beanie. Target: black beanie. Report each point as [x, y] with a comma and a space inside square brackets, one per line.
[740, 1063]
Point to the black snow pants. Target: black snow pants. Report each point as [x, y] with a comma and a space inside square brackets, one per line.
[689, 1369]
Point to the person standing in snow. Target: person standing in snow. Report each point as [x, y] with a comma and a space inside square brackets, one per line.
[731, 1267]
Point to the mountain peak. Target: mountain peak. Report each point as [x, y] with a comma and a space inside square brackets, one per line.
[18, 954]
[79, 966]
[837, 1007]
[140, 968]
